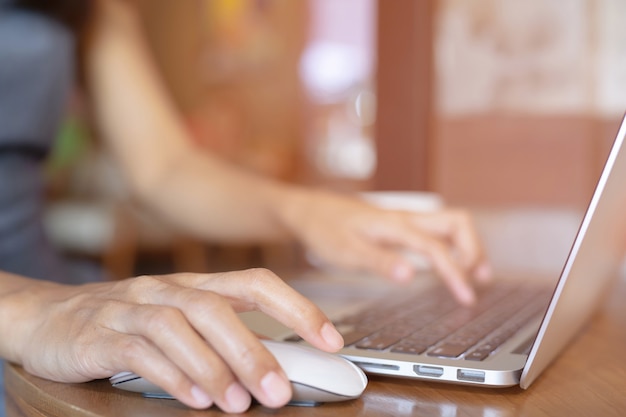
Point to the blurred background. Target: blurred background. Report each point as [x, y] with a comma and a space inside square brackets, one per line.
[505, 107]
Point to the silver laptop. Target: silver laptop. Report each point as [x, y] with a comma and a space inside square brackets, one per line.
[510, 336]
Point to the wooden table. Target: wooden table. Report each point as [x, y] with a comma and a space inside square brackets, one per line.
[588, 380]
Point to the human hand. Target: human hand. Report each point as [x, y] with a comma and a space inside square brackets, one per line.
[179, 331]
[352, 234]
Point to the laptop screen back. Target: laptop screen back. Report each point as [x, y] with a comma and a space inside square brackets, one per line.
[593, 263]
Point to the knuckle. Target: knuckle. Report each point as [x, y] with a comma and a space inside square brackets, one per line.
[219, 376]
[133, 349]
[209, 300]
[437, 252]
[257, 279]
[251, 356]
[105, 312]
[215, 374]
[162, 320]
[138, 287]
[262, 274]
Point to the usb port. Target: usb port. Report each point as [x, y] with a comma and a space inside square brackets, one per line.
[469, 375]
[432, 371]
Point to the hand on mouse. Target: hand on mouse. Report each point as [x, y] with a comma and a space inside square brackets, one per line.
[350, 233]
[158, 327]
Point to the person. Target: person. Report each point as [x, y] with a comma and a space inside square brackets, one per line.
[179, 331]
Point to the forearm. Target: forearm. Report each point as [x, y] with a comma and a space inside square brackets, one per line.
[195, 190]
[213, 200]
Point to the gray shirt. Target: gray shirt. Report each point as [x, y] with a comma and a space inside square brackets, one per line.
[36, 75]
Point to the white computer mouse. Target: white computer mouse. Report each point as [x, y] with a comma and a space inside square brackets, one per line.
[316, 376]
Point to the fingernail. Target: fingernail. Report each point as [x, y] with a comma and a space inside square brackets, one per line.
[483, 272]
[202, 399]
[237, 398]
[331, 336]
[276, 389]
[402, 272]
[467, 296]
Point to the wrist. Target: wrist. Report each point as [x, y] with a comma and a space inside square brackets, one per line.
[293, 213]
[22, 306]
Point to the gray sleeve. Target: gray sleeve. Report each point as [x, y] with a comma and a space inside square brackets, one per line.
[36, 74]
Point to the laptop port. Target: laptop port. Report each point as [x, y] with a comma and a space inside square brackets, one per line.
[376, 366]
[470, 375]
[431, 371]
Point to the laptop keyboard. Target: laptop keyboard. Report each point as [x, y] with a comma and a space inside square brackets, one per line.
[436, 325]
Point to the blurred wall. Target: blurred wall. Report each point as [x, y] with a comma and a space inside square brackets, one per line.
[528, 98]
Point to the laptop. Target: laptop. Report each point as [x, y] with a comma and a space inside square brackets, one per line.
[513, 333]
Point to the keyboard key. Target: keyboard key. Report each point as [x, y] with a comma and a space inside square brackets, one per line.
[351, 337]
[448, 350]
[410, 348]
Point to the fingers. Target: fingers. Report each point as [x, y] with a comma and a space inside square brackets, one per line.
[186, 365]
[207, 354]
[260, 289]
[141, 356]
[447, 238]
[455, 278]
[457, 227]
[392, 263]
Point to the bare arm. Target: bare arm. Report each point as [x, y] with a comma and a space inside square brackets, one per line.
[211, 199]
[196, 190]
